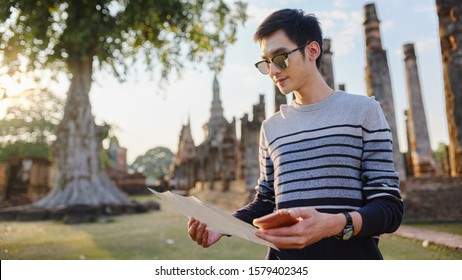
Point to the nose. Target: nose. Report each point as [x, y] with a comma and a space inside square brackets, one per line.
[273, 69]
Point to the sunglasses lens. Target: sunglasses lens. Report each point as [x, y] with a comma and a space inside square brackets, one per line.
[280, 61]
[262, 67]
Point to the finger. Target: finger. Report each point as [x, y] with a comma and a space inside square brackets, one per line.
[199, 234]
[283, 242]
[304, 212]
[205, 239]
[191, 221]
[192, 230]
[282, 231]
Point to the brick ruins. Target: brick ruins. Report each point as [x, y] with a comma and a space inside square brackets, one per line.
[222, 158]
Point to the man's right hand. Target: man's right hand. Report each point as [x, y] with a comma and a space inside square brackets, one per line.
[198, 232]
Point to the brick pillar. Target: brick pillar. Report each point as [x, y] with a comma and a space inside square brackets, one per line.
[423, 163]
[407, 156]
[450, 26]
[279, 98]
[378, 79]
[4, 171]
[327, 71]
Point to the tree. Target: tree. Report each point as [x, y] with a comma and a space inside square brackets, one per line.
[154, 164]
[78, 36]
[28, 127]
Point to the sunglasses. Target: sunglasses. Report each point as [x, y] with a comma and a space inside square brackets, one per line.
[281, 61]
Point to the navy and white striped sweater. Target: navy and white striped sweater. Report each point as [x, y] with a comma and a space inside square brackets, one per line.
[334, 156]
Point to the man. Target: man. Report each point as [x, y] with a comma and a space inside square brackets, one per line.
[327, 157]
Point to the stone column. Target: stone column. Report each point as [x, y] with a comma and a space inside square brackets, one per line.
[407, 156]
[327, 71]
[4, 171]
[279, 98]
[378, 79]
[450, 26]
[423, 162]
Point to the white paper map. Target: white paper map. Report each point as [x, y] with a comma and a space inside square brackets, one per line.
[215, 218]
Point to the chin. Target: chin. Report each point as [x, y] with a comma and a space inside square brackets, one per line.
[284, 90]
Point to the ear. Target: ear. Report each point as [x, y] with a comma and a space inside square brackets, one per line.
[313, 50]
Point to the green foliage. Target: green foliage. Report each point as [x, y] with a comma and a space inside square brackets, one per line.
[154, 164]
[27, 130]
[24, 149]
[31, 116]
[52, 34]
[440, 152]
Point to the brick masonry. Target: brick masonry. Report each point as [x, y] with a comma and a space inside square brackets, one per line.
[432, 199]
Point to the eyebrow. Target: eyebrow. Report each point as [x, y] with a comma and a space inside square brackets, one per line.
[280, 50]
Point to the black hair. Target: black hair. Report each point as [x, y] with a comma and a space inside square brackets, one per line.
[299, 28]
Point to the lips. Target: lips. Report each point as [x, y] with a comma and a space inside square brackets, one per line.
[281, 80]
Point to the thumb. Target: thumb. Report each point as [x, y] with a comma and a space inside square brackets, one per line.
[303, 213]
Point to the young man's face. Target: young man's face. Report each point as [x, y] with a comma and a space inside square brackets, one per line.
[292, 78]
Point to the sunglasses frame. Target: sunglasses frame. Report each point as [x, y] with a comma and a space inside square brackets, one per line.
[286, 61]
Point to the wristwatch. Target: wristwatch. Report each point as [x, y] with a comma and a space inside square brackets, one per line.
[348, 230]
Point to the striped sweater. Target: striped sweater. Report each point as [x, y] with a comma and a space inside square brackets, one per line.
[335, 156]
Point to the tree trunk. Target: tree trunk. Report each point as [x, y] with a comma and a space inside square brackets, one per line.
[81, 179]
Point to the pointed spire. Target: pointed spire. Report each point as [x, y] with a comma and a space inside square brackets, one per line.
[216, 90]
[217, 118]
[217, 109]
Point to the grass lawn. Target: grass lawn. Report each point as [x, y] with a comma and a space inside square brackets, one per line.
[155, 235]
[449, 227]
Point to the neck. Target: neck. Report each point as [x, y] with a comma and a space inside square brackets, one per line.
[314, 91]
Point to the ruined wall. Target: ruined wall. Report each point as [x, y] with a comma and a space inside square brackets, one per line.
[279, 98]
[327, 69]
[249, 145]
[433, 199]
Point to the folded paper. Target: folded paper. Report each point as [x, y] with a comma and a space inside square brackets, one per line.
[215, 218]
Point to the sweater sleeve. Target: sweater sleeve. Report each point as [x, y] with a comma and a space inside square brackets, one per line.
[263, 202]
[384, 208]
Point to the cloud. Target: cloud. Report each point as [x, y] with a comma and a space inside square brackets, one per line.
[421, 45]
[387, 25]
[427, 44]
[339, 4]
[244, 74]
[258, 13]
[343, 28]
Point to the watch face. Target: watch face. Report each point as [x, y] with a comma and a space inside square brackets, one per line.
[348, 233]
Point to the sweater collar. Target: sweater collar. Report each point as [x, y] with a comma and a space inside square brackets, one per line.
[315, 106]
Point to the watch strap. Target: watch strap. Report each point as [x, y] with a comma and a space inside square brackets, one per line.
[348, 229]
[349, 219]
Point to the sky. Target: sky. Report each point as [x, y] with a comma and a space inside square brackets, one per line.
[146, 116]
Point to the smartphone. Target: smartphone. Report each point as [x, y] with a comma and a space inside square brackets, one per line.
[281, 218]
